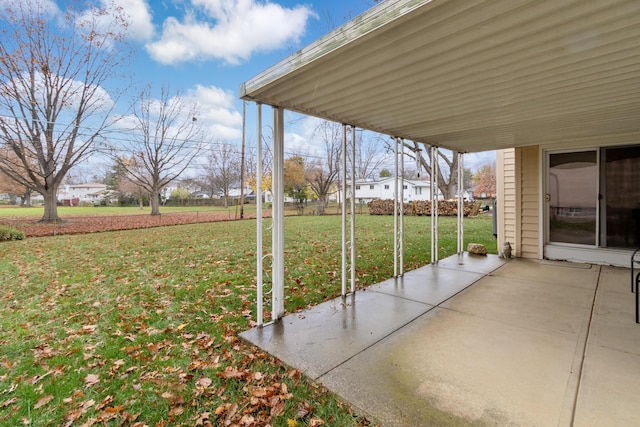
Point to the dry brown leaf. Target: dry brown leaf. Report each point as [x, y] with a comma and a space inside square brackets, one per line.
[277, 409]
[176, 411]
[91, 380]
[84, 406]
[105, 402]
[247, 420]
[231, 372]
[8, 402]
[203, 382]
[43, 401]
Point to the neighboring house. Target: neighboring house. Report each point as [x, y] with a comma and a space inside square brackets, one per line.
[367, 191]
[188, 185]
[234, 192]
[88, 192]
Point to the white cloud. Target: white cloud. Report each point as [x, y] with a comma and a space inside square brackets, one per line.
[47, 8]
[302, 138]
[217, 111]
[138, 17]
[139, 25]
[475, 161]
[233, 31]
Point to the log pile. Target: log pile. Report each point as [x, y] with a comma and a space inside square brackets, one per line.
[423, 207]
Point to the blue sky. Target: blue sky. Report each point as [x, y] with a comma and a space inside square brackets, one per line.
[206, 48]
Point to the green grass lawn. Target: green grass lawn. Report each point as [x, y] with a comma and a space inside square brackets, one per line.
[140, 327]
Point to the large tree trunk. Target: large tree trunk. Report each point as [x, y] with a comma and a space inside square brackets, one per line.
[322, 203]
[26, 199]
[50, 205]
[154, 202]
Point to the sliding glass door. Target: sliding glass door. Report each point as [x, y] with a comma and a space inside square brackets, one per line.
[573, 197]
[593, 198]
[620, 181]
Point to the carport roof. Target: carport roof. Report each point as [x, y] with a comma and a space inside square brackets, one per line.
[471, 75]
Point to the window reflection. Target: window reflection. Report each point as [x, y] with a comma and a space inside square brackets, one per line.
[573, 186]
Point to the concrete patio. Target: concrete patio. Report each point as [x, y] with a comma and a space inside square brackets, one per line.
[478, 342]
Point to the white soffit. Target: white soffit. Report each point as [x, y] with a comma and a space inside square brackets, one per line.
[471, 75]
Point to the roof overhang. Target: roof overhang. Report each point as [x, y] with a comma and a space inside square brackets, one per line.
[471, 75]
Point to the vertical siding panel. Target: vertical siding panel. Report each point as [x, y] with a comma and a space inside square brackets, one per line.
[506, 190]
[529, 203]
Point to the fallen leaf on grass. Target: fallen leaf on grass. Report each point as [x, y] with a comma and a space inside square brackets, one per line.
[84, 406]
[8, 402]
[91, 380]
[176, 411]
[277, 409]
[203, 382]
[37, 378]
[231, 372]
[43, 401]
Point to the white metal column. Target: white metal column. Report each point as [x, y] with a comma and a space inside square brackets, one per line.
[401, 214]
[395, 209]
[278, 214]
[259, 249]
[353, 210]
[460, 205]
[344, 209]
[434, 204]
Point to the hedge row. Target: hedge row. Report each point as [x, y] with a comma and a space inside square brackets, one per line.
[8, 233]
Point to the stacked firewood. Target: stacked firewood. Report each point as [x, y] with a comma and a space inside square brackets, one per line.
[423, 207]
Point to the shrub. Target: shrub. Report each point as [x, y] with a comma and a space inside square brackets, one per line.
[8, 233]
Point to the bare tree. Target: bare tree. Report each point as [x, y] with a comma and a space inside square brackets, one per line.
[369, 155]
[447, 166]
[322, 173]
[222, 170]
[53, 108]
[165, 139]
[123, 182]
[12, 186]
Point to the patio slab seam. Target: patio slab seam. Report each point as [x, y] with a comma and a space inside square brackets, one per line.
[431, 307]
[582, 359]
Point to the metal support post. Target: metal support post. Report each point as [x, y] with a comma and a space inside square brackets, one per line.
[460, 205]
[259, 249]
[344, 210]
[353, 210]
[395, 209]
[401, 225]
[278, 214]
[434, 204]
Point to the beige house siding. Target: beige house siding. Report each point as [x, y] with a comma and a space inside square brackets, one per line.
[529, 203]
[517, 183]
[506, 190]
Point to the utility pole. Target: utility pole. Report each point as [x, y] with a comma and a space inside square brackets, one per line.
[244, 120]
